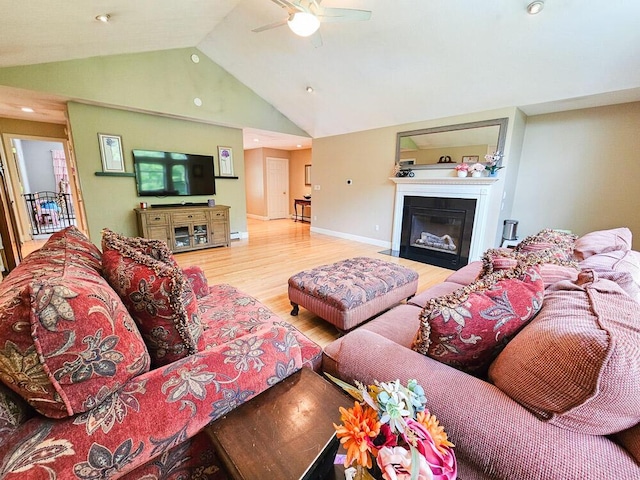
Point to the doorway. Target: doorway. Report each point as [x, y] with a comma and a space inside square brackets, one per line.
[42, 187]
[277, 188]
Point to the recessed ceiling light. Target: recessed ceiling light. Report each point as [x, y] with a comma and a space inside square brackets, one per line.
[104, 18]
[195, 58]
[535, 7]
[256, 139]
[310, 89]
[27, 109]
[299, 146]
[197, 102]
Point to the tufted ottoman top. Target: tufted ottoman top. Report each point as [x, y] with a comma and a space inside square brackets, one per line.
[352, 282]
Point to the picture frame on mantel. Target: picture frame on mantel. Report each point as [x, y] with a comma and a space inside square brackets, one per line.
[111, 153]
[225, 162]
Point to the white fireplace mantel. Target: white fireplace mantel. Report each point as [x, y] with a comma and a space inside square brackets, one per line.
[445, 187]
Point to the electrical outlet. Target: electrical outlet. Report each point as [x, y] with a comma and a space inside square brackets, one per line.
[377, 228]
[315, 217]
[316, 187]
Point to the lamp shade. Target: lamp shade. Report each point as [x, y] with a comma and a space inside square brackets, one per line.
[303, 23]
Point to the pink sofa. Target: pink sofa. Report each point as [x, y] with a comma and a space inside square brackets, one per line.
[560, 401]
[118, 379]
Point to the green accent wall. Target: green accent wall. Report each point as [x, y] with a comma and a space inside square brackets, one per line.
[164, 82]
[109, 201]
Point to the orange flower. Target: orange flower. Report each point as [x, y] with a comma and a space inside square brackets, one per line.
[430, 422]
[358, 424]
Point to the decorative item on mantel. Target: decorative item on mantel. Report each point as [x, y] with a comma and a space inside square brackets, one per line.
[389, 433]
[476, 169]
[398, 171]
[462, 169]
[493, 160]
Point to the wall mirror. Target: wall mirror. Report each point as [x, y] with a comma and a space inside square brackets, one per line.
[446, 146]
[307, 174]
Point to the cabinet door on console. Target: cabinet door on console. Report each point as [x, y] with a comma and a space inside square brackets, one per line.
[219, 221]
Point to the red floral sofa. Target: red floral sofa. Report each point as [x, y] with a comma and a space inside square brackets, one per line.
[112, 363]
[529, 359]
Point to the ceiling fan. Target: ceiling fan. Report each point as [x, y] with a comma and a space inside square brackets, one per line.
[305, 17]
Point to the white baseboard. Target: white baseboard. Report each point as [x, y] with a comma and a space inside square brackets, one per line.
[355, 238]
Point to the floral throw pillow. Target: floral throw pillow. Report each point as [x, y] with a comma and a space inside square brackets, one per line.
[13, 412]
[560, 244]
[64, 333]
[469, 327]
[552, 268]
[156, 249]
[160, 300]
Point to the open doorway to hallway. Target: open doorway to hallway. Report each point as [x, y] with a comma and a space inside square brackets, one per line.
[43, 197]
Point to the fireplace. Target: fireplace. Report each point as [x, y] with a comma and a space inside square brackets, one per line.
[483, 222]
[437, 230]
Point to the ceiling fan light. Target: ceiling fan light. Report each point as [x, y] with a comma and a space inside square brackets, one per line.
[303, 24]
[535, 7]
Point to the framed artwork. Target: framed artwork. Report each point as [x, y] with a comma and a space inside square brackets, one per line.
[225, 160]
[471, 159]
[111, 152]
[307, 174]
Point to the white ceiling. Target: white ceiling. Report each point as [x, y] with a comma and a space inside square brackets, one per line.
[414, 60]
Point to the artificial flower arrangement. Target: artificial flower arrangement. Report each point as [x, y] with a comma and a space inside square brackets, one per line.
[493, 160]
[477, 167]
[462, 167]
[389, 423]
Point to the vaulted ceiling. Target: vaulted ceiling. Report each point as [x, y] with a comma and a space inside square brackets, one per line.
[413, 60]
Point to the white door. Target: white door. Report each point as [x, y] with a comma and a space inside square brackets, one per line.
[277, 188]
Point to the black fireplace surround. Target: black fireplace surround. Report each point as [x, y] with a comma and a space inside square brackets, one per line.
[437, 230]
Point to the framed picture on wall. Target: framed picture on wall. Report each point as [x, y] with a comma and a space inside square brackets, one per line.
[307, 174]
[225, 161]
[111, 152]
[470, 159]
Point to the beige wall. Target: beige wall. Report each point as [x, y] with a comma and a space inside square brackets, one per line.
[367, 158]
[109, 201]
[580, 170]
[254, 181]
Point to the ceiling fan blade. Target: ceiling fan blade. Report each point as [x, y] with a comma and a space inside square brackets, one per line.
[344, 15]
[277, 24]
[316, 39]
[289, 5]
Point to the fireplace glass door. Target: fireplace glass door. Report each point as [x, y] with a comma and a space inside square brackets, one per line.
[437, 230]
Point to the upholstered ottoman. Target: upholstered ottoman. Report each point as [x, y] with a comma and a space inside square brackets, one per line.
[348, 292]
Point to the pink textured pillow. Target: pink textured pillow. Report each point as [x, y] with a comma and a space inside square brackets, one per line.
[469, 327]
[603, 241]
[160, 300]
[577, 365]
[630, 439]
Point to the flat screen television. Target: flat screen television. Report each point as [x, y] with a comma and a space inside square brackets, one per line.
[163, 174]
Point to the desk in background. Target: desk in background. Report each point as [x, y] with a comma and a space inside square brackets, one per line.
[303, 202]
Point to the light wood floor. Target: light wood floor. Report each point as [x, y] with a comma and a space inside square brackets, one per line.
[277, 249]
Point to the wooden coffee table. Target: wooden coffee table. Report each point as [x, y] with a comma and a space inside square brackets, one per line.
[285, 433]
